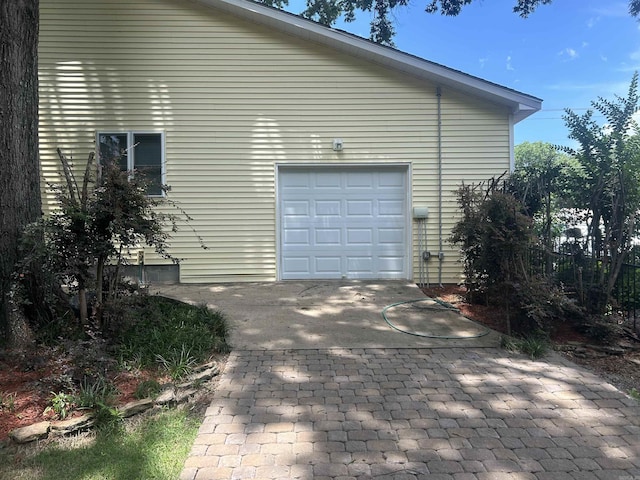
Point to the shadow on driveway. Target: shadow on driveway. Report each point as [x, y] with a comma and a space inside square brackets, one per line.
[332, 314]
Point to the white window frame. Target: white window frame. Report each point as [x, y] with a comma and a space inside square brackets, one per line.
[131, 151]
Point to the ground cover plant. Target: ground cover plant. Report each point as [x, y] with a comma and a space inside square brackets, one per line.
[160, 341]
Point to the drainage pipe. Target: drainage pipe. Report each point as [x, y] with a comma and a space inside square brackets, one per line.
[440, 251]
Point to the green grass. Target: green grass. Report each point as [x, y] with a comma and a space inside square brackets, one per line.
[155, 448]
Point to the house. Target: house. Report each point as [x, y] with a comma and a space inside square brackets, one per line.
[300, 151]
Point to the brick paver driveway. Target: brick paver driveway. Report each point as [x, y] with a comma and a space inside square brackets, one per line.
[414, 413]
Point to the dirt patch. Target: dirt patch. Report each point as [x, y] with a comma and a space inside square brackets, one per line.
[619, 365]
[30, 378]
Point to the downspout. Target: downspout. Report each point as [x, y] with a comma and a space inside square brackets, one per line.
[440, 251]
[512, 156]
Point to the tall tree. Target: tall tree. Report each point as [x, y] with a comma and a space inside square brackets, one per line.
[610, 157]
[20, 201]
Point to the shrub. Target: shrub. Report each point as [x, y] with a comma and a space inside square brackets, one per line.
[542, 305]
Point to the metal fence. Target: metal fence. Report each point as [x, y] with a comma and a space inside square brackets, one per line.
[578, 273]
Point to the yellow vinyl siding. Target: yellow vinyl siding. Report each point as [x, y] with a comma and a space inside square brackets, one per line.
[235, 98]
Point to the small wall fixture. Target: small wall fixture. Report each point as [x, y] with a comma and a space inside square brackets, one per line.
[337, 144]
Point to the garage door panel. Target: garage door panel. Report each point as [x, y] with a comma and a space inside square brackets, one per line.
[296, 265]
[391, 236]
[358, 267]
[342, 222]
[328, 265]
[328, 236]
[360, 236]
[297, 236]
[391, 208]
[359, 208]
[326, 208]
[295, 180]
[392, 180]
[390, 267]
[360, 180]
[328, 180]
[297, 208]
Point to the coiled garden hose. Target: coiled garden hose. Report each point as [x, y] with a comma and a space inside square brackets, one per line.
[443, 305]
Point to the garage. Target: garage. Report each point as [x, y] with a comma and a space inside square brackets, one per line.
[343, 222]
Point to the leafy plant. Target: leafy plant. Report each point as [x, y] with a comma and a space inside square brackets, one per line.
[132, 364]
[108, 418]
[8, 401]
[95, 393]
[635, 394]
[535, 346]
[61, 404]
[178, 364]
[148, 388]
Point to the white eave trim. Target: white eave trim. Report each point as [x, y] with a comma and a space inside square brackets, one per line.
[520, 104]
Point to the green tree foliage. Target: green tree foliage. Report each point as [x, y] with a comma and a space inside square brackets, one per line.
[543, 180]
[453, 7]
[609, 155]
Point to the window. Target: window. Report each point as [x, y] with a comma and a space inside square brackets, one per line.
[141, 152]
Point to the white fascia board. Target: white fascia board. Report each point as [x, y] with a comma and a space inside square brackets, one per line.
[520, 104]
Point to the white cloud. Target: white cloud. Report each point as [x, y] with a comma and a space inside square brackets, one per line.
[569, 52]
[483, 61]
[509, 66]
[592, 21]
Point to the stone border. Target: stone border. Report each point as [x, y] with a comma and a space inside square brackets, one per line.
[169, 395]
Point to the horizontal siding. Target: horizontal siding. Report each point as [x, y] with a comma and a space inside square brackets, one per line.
[234, 98]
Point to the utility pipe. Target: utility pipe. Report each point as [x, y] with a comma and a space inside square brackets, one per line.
[440, 251]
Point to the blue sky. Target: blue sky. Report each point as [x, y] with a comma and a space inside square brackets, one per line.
[567, 53]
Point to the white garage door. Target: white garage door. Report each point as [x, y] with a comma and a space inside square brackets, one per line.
[343, 222]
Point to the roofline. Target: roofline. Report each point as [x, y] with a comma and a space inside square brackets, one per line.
[520, 104]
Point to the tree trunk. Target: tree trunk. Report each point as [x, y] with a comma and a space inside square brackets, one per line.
[20, 201]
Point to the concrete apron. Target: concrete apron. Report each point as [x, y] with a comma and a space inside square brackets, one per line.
[333, 314]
